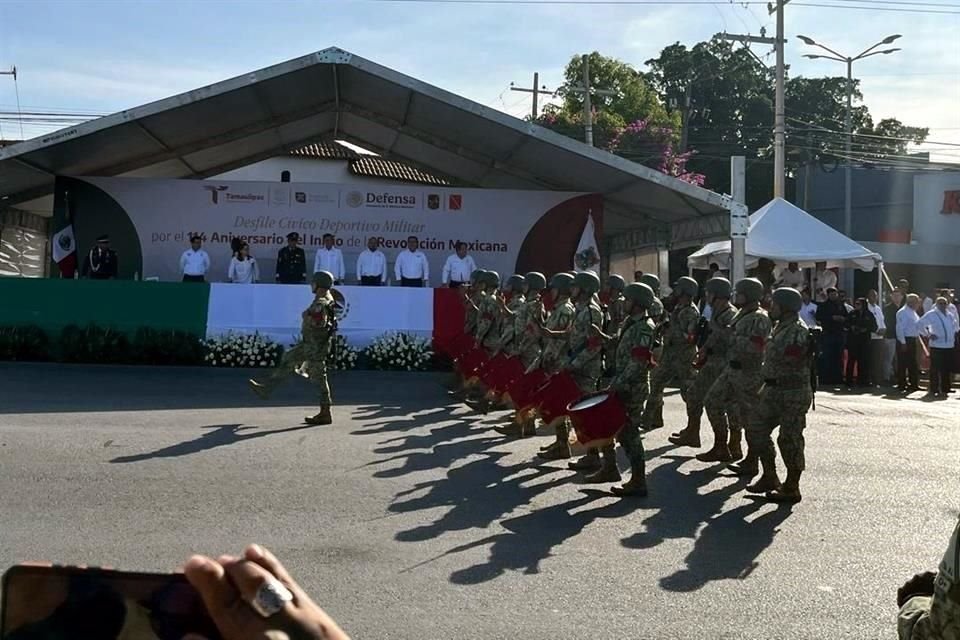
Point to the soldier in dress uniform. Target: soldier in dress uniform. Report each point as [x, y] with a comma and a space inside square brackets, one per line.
[554, 353]
[731, 397]
[711, 360]
[101, 263]
[679, 351]
[291, 262]
[528, 320]
[309, 357]
[784, 399]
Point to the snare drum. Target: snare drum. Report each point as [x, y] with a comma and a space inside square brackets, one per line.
[597, 418]
[470, 361]
[489, 374]
[523, 390]
[510, 372]
[560, 391]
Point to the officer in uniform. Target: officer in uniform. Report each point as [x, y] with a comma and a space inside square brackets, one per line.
[554, 353]
[291, 262]
[101, 263]
[730, 398]
[679, 351]
[784, 399]
[528, 320]
[711, 361]
[631, 383]
[309, 357]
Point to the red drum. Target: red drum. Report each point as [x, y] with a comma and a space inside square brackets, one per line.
[597, 418]
[560, 391]
[490, 373]
[470, 361]
[523, 389]
[459, 345]
[511, 371]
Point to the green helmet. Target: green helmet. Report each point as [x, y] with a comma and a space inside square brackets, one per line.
[561, 282]
[686, 286]
[323, 279]
[515, 283]
[616, 282]
[476, 276]
[536, 281]
[788, 299]
[719, 287]
[492, 278]
[639, 293]
[651, 281]
[587, 281]
[751, 289]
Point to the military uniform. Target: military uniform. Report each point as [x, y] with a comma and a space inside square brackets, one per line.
[585, 364]
[488, 321]
[679, 350]
[554, 351]
[713, 355]
[528, 328]
[511, 325]
[936, 617]
[101, 263]
[615, 316]
[291, 265]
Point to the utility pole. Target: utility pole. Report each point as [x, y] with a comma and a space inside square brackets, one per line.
[779, 121]
[587, 90]
[13, 72]
[536, 90]
[685, 118]
[739, 219]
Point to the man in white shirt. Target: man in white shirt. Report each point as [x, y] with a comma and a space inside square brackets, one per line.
[372, 265]
[808, 310]
[823, 279]
[941, 328]
[194, 263]
[458, 268]
[907, 331]
[791, 277]
[329, 258]
[876, 339]
[412, 269]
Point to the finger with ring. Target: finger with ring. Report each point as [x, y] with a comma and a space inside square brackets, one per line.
[259, 588]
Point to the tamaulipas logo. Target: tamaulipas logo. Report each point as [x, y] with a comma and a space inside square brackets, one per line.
[243, 198]
[215, 192]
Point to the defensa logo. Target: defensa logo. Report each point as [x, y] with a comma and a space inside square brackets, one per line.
[391, 200]
[215, 192]
[243, 198]
[354, 199]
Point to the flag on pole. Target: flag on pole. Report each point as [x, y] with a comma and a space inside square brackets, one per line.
[64, 244]
[587, 257]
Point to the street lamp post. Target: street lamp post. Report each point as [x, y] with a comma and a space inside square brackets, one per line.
[848, 119]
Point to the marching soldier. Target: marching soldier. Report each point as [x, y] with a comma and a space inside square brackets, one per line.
[528, 321]
[784, 399]
[730, 398]
[309, 357]
[507, 342]
[930, 602]
[679, 350]
[291, 262]
[616, 313]
[554, 353]
[487, 329]
[711, 361]
[631, 383]
[656, 310]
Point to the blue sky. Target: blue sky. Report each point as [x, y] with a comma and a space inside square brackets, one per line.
[109, 55]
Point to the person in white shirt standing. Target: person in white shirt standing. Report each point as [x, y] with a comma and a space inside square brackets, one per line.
[941, 328]
[876, 346]
[372, 265]
[330, 259]
[907, 331]
[194, 263]
[791, 277]
[823, 279]
[808, 310]
[243, 267]
[412, 269]
[459, 266]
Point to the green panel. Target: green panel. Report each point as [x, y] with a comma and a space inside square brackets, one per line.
[124, 305]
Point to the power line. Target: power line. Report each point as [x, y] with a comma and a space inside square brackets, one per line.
[869, 5]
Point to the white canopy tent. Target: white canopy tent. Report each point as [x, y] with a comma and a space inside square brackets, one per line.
[783, 233]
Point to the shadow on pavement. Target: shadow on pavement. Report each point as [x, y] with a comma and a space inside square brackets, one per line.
[220, 435]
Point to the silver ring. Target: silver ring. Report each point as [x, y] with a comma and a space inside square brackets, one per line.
[270, 598]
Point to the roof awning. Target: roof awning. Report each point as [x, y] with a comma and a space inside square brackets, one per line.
[334, 93]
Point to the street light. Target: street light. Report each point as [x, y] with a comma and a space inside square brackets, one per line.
[847, 124]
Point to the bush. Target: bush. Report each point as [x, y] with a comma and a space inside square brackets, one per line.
[27, 343]
[399, 352]
[343, 357]
[94, 344]
[238, 350]
[166, 347]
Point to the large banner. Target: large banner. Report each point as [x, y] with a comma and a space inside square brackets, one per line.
[150, 221]
[936, 208]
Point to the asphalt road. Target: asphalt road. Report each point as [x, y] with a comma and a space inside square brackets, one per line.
[411, 518]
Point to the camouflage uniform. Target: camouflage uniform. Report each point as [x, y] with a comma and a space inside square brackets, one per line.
[631, 381]
[528, 331]
[309, 356]
[784, 398]
[936, 617]
[488, 321]
[714, 357]
[616, 316]
[735, 391]
[679, 350]
[585, 364]
[554, 353]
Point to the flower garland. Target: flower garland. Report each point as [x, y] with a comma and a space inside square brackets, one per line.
[238, 350]
[399, 352]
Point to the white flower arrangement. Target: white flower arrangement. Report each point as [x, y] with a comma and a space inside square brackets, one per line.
[400, 352]
[343, 356]
[241, 350]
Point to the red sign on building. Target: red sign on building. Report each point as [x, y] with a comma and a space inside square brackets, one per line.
[951, 202]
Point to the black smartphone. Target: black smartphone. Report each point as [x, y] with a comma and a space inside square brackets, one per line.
[51, 602]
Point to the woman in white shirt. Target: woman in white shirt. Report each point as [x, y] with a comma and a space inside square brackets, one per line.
[243, 267]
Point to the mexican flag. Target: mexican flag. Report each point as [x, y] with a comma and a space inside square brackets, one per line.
[587, 257]
[64, 244]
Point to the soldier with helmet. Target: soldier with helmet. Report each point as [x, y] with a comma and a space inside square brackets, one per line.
[679, 350]
[656, 310]
[555, 342]
[528, 320]
[784, 398]
[711, 360]
[309, 357]
[615, 313]
[631, 383]
[507, 342]
[730, 399]
[487, 310]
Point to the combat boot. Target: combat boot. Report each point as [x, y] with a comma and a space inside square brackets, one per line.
[746, 468]
[689, 436]
[589, 462]
[789, 493]
[735, 445]
[766, 483]
[514, 430]
[559, 450]
[655, 419]
[322, 418]
[528, 428]
[262, 390]
[637, 484]
[719, 451]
